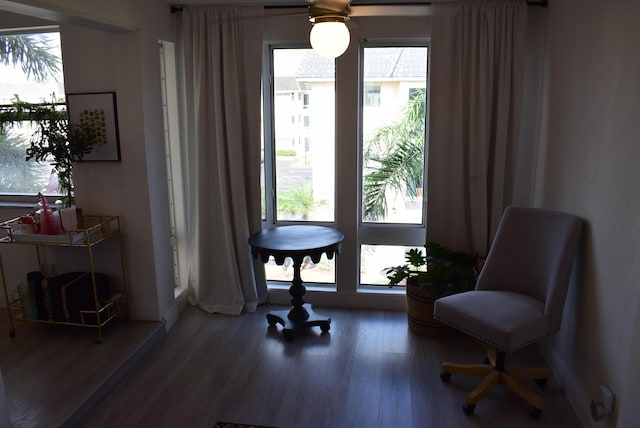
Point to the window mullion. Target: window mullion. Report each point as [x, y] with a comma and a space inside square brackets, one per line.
[268, 147]
[347, 167]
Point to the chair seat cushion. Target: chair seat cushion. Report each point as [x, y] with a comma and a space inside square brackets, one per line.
[502, 319]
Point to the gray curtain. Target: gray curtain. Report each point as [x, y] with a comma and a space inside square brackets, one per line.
[222, 62]
[477, 61]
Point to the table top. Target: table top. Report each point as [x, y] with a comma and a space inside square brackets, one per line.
[296, 241]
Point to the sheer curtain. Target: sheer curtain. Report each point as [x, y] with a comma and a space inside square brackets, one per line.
[477, 61]
[222, 62]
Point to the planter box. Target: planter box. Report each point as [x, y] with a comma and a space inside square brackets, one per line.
[420, 315]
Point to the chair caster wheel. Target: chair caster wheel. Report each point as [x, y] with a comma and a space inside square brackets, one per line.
[468, 408]
[445, 376]
[541, 382]
[534, 412]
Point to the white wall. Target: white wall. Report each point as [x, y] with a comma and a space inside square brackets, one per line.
[588, 165]
[114, 15]
[136, 188]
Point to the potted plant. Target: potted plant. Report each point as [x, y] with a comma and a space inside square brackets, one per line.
[60, 144]
[436, 273]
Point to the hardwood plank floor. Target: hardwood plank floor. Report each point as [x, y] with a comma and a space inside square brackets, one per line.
[51, 372]
[369, 371]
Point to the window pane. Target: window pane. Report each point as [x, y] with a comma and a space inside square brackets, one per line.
[36, 77]
[18, 176]
[323, 272]
[376, 259]
[304, 105]
[393, 121]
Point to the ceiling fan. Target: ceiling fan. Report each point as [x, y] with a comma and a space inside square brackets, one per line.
[329, 34]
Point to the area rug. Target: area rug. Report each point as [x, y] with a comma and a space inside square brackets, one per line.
[232, 425]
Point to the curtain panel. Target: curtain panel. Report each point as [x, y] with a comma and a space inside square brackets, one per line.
[222, 62]
[476, 79]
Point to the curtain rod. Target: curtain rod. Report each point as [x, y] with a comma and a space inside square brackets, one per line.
[540, 3]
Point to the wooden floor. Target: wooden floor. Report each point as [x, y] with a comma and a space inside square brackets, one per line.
[52, 373]
[368, 371]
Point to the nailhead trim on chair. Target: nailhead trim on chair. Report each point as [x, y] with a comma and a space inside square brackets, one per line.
[491, 343]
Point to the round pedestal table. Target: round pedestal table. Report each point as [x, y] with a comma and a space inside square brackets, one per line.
[296, 242]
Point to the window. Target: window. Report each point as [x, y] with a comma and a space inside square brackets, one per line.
[30, 71]
[393, 158]
[303, 179]
[173, 158]
[361, 165]
[394, 136]
[372, 95]
[304, 170]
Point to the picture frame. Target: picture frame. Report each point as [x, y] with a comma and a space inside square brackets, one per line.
[97, 110]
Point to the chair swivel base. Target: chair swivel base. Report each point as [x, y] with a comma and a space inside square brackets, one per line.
[493, 373]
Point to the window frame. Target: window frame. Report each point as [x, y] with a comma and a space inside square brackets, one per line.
[24, 199]
[347, 292]
[370, 233]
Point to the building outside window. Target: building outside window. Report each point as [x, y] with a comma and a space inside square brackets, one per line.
[372, 95]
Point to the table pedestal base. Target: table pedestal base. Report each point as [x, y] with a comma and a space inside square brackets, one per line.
[291, 326]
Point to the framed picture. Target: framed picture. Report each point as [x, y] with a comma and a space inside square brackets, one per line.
[97, 110]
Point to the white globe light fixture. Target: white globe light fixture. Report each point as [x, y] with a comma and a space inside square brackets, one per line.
[329, 39]
[329, 34]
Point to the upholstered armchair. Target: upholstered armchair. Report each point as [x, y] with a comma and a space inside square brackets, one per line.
[518, 299]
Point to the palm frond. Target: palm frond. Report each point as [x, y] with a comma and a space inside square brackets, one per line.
[394, 159]
[32, 52]
[17, 177]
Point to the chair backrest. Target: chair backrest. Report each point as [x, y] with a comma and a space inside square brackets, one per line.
[532, 253]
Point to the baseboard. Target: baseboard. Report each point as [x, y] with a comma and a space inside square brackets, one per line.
[111, 380]
[577, 398]
[373, 301]
[171, 316]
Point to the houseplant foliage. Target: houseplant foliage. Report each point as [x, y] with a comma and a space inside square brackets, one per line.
[18, 112]
[60, 144]
[428, 276]
[439, 271]
[55, 141]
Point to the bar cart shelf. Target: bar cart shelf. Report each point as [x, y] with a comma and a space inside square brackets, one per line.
[94, 229]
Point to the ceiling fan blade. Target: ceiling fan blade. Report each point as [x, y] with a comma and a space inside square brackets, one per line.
[275, 13]
[391, 10]
[336, 5]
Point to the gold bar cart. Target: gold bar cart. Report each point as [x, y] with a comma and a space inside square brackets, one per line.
[95, 229]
